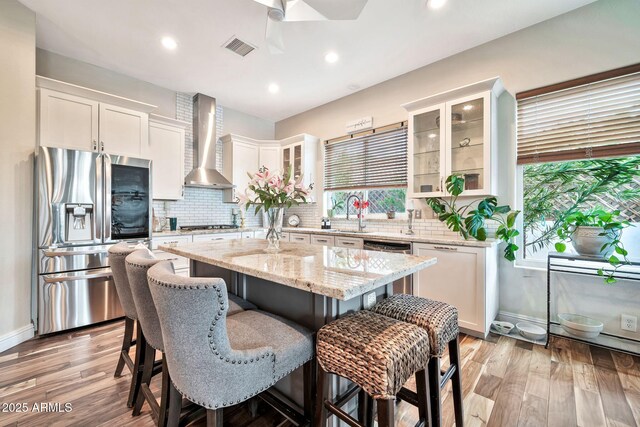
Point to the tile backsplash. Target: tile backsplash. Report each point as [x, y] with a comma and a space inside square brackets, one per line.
[310, 217]
[200, 205]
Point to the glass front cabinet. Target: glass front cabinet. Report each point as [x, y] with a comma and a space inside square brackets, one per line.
[454, 133]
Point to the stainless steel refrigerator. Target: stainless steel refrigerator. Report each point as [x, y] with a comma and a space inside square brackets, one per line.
[85, 202]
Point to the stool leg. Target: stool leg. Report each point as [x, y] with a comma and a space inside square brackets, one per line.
[163, 415]
[386, 412]
[456, 381]
[422, 390]
[309, 386]
[321, 394]
[136, 375]
[126, 344]
[214, 417]
[434, 391]
[175, 408]
[363, 408]
[147, 373]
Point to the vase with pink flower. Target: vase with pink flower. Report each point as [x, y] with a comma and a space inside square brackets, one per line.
[272, 192]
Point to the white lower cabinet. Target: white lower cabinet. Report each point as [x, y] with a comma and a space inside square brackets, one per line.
[180, 264]
[247, 234]
[215, 236]
[284, 236]
[349, 242]
[465, 277]
[322, 240]
[299, 238]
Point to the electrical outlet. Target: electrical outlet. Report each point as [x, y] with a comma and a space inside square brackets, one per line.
[369, 300]
[629, 323]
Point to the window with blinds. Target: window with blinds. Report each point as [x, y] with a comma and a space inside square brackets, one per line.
[592, 120]
[373, 159]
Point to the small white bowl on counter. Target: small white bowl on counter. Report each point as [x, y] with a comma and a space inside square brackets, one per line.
[580, 326]
[531, 331]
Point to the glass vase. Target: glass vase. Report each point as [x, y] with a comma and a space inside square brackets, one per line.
[274, 228]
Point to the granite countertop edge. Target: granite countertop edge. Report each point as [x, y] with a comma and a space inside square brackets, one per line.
[361, 286]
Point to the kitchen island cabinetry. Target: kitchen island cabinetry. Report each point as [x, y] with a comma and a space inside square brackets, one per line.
[465, 277]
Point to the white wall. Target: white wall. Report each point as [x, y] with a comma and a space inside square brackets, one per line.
[598, 37]
[246, 125]
[17, 142]
[58, 67]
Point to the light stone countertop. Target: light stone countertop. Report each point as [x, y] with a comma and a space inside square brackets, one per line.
[396, 237]
[341, 273]
[167, 233]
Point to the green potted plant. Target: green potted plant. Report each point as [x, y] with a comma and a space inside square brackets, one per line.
[470, 222]
[595, 233]
[335, 206]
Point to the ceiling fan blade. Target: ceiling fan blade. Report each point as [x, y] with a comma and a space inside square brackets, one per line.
[298, 10]
[273, 36]
[337, 10]
[270, 3]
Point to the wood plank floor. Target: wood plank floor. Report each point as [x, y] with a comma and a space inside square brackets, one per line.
[505, 383]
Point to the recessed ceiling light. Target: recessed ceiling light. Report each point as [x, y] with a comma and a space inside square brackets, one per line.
[432, 135]
[467, 107]
[353, 86]
[331, 57]
[436, 4]
[273, 88]
[169, 43]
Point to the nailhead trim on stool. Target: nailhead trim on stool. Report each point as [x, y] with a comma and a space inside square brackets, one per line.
[438, 318]
[376, 352]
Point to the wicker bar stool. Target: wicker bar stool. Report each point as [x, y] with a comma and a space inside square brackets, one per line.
[379, 354]
[440, 320]
[117, 255]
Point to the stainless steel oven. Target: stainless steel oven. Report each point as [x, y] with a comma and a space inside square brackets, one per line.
[85, 202]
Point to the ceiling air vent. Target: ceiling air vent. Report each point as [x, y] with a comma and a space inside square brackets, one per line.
[236, 45]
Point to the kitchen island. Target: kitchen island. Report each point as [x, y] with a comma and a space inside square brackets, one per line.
[308, 284]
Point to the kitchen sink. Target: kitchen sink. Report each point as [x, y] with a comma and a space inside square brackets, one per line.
[348, 231]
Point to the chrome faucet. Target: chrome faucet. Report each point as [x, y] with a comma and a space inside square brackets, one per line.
[361, 226]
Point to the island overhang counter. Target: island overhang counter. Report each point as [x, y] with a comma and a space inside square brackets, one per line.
[308, 284]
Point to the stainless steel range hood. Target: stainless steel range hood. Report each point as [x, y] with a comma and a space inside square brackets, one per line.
[204, 173]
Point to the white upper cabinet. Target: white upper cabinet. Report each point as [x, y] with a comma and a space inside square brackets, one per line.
[270, 156]
[67, 121]
[78, 118]
[241, 155]
[454, 133]
[166, 150]
[123, 131]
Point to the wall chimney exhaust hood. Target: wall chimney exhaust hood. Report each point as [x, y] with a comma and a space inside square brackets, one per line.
[204, 173]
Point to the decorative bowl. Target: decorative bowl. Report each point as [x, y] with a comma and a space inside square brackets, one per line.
[580, 326]
[531, 331]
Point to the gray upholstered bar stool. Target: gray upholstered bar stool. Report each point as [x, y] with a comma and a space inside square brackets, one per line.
[117, 255]
[137, 264]
[440, 320]
[217, 361]
[377, 353]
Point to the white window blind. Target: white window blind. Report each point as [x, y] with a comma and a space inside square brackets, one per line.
[597, 119]
[374, 159]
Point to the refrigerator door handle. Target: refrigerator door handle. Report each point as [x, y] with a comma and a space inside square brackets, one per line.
[99, 215]
[57, 278]
[106, 223]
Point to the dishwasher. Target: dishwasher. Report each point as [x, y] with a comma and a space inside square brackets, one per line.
[400, 286]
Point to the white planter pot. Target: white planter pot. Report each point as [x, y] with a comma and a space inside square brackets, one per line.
[588, 241]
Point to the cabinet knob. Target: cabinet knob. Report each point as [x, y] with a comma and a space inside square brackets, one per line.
[101, 145]
[95, 145]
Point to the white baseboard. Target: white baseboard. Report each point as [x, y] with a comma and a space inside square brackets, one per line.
[515, 318]
[16, 337]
